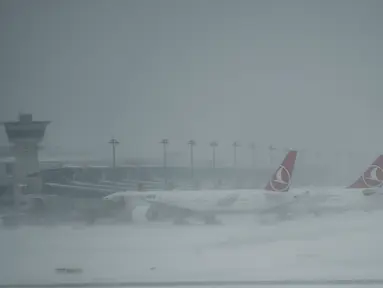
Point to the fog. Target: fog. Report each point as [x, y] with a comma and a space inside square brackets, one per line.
[295, 74]
[300, 74]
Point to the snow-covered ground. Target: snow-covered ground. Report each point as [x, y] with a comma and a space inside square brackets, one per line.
[340, 246]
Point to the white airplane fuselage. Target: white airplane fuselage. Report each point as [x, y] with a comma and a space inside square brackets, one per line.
[211, 201]
[337, 199]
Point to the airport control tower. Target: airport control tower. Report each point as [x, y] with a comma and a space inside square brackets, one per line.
[25, 136]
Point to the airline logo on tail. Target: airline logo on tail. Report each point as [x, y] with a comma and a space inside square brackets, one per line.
[281, 180]
[372, 177]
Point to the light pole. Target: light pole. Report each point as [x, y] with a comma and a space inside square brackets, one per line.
[252, 147]
[271, 150]
[191, 143]
[235, 146]
[114, 142]
[165, 143]
[213, 145]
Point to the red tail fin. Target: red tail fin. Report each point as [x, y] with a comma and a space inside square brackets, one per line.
[281, 179]
[372, 177]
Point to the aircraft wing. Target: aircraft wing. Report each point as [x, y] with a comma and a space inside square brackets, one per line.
[89, 188]
[76, 191]
[197, 205]
[371, 191]
[297, 199]
[191, 207]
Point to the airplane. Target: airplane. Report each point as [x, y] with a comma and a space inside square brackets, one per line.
[338, 199]
[205, 204]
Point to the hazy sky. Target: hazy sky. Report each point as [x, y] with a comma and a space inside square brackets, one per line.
[292, 73]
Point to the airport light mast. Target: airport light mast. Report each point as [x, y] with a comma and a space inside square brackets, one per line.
[165, 143]
[253, 148]
[213, 145]
[114, 142]
[235, 146]
[192, 143]
[271, 150]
